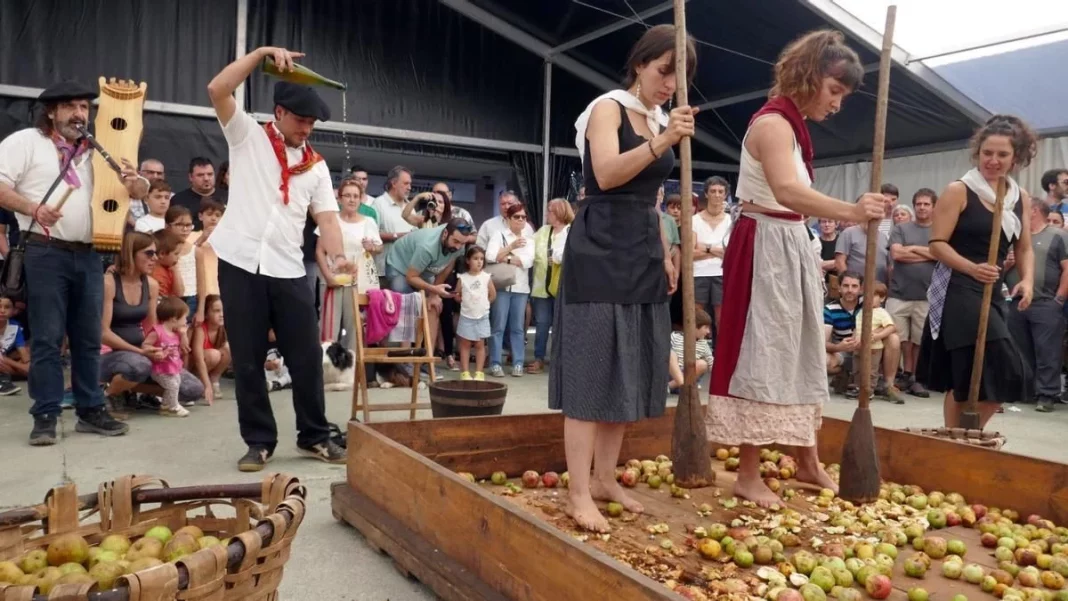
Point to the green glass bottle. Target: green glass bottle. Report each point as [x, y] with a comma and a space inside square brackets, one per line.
[300, 74]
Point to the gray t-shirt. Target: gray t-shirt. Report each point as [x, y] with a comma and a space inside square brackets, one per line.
[1050, 247]
[852, 243]
[909, 281]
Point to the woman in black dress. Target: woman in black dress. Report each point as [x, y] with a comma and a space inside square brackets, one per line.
[960, 240]
[611, 330]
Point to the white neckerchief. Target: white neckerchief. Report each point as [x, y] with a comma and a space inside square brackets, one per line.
[1010, 223]
[653, 118]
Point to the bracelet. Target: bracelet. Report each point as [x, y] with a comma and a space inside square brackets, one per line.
[652, 151]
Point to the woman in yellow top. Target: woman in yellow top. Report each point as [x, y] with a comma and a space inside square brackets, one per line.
[548, 255]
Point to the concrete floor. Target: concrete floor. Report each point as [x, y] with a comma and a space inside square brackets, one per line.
[330, 560]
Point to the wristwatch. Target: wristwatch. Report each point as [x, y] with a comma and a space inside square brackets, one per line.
[708, 249]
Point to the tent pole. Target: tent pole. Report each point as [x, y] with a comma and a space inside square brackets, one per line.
[545, 156]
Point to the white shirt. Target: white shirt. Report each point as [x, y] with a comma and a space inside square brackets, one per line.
[258, 232]
[474, 290]
[29, 163]
[525, 254]
[149, 224]
[390, 222]
[496, 225]
[710, 236]
[353, 234]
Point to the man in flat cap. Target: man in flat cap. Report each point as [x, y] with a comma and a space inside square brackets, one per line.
[275, 179]
[63, 273]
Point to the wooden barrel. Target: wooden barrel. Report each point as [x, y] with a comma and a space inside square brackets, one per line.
[467, 398]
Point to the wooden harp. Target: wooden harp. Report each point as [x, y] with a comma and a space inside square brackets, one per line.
[119, 125]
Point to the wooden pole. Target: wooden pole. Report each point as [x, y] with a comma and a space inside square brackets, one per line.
[969, 420]
[689, 442]
[860, 464]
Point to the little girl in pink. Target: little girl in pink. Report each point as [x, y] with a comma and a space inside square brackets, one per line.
[167, 336]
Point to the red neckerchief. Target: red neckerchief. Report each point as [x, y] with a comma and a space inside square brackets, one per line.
[781, 105]
[308, 158]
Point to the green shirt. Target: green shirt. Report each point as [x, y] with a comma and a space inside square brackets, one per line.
[368, 211]
[671, 229]
[420, 250]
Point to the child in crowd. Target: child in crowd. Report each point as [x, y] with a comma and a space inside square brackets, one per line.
[168, 245]
[882, 326]
[158, 202]
[207, 263]
[703, 322]
[167, 336]
[474, 292]
[275, 367]
[211, 350]
[14, 354]
[180, 223]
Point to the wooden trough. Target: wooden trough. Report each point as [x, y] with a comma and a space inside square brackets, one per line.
[464, 542]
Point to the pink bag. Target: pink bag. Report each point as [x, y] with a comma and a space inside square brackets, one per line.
[383, 313]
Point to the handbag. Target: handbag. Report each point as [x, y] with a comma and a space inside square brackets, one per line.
[503, 275]
[552, 286]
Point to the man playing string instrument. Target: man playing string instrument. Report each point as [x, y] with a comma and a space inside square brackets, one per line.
[63, 271]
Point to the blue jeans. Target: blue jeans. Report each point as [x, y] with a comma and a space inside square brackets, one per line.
[543, 320]
[508, 312]
[65, 295]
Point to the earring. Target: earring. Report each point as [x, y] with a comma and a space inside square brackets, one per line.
[638, 91]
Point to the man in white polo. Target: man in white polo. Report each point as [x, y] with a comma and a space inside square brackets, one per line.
[275, 178]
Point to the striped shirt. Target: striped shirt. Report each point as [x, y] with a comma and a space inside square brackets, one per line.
[703, 350]
[843, 322]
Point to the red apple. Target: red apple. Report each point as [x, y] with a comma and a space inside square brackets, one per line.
[531, 479]
[878, 587]
[550, 479]
[952, 519]
[989, 540]
[1033, 519]
[629, 478]
[980, 511]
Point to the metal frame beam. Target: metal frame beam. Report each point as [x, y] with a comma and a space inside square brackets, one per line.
[612, 27]
[920, 72]
[518, 36]
[373, 131]
[997, 41]
[762, 93]
[545, 150]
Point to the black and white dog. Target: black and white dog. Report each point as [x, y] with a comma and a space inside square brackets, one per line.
[338, 367]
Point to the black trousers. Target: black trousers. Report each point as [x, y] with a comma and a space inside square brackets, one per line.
[1039, 333]
[256, 303]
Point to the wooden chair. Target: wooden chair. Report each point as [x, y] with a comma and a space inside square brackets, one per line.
[365, 355]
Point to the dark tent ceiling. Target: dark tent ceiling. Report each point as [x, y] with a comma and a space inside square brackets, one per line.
[737, 46]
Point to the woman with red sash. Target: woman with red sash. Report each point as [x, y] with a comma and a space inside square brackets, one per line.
[769, 380]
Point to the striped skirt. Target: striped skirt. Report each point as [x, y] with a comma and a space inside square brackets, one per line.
[769, 379]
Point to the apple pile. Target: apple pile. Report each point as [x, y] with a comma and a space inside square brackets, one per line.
[70, 560]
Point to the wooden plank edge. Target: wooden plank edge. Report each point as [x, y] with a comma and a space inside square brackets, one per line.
[536, 530]
[412, 554]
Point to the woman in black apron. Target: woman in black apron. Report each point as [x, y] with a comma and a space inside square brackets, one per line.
[611, 330]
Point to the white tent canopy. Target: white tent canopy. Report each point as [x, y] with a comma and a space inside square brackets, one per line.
[933, 170]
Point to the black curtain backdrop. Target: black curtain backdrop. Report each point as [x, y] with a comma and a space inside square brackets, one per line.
[175, 47]
[527, 183]
[409, 64]
[565, 176]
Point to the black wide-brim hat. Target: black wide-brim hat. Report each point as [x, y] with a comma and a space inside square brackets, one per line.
[300, 100]
[67, 90]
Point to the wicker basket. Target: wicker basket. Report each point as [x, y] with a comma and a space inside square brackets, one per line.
[267, 515]
[978, 438]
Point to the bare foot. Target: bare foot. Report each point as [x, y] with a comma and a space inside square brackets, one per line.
[603, 491]
[584, 511]
[756, 491]
[817, 477]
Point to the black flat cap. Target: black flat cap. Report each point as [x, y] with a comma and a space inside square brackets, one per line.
[67, 90]
[301, 100]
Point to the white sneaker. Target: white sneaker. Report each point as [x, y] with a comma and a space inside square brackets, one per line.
[518, 371]
[176, 411]
[496, 371]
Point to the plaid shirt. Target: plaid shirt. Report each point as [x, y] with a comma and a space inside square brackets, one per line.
[936, 297]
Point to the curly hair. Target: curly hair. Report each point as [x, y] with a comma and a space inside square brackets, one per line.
[803, 64]
[1024, 139]
[653, 44]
